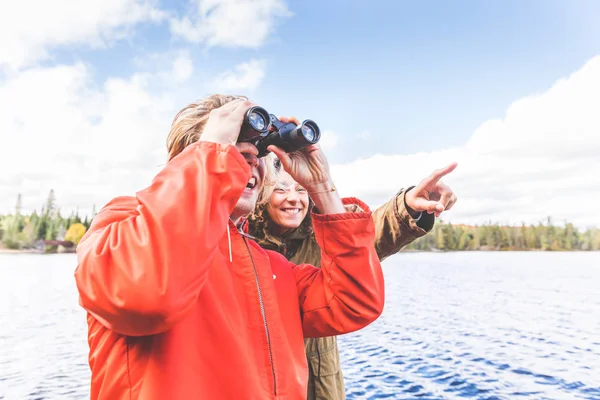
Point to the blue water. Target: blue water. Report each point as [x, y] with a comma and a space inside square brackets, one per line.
[482, 326]
[455, 326]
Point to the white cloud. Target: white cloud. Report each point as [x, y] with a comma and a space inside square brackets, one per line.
[329, 140]
[230, 23]
[245, 76]
[170, 67]
[30, 29]
[60, 130]
[541, 160]
[89, 143]
[183, 67]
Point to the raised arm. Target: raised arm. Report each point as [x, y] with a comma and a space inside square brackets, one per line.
[347, 293]
[412, 212]
[395, 227]
[145, 258]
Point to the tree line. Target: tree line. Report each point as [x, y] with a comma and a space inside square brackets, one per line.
[545, 236]
[19, 231]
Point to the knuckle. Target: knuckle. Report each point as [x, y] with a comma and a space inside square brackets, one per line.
[247, 104]
[216, 112]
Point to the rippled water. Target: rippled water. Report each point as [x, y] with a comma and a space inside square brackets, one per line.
[456, 325]
[43, 353]
[484, 326]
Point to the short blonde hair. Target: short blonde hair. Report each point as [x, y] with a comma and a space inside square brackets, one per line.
[188, 124]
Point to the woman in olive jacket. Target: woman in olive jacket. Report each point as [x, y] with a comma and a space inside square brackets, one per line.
[281, 222]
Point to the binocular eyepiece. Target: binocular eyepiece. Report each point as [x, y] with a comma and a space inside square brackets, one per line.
[263, 129]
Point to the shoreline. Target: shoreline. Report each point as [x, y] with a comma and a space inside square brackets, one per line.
[23, 251]
[32, 251]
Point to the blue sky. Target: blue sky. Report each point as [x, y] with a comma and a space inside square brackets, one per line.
[394, 78]
[416, 75]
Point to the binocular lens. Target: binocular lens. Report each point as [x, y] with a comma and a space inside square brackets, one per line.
[309, 133]
[263, 129]
[256, 124]
[257, 121]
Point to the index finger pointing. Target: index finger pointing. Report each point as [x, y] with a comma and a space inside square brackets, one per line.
[440, 173]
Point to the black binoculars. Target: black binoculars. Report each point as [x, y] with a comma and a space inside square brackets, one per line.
[263, 129]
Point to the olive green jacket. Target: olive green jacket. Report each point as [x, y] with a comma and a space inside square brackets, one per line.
[394, 229]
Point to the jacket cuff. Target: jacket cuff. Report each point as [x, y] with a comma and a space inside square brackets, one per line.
[355, 208]
[420, 225]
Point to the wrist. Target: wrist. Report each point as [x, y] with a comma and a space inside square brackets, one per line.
[328, 202]
[216, 139]
[320, 188]
[403, 198]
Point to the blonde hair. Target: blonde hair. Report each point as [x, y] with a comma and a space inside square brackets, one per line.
[188, 124]
[273, 166]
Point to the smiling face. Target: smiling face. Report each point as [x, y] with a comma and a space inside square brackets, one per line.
[247, 200]
[288, 204]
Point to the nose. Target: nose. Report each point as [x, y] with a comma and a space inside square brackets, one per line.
[251, 159]
[292, 196]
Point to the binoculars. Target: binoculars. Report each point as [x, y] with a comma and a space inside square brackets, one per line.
[263, 129]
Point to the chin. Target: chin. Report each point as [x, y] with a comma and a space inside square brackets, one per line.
[293, 224]
[245, 206]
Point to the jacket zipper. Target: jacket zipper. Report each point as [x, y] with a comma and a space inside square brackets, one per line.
[264, 316]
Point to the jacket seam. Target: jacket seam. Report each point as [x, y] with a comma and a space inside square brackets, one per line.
[128, 368]
[331, 262]
[396, 211]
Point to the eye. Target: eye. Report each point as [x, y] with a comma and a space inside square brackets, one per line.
[279, 190]
[301, 190]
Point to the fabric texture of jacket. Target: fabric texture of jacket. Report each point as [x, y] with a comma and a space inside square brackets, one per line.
[182, 305]
[395, 228]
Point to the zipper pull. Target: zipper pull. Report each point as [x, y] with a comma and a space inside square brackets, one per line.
[229, 241]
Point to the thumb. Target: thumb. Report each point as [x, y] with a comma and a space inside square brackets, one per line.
[421, 204]
[283, 156]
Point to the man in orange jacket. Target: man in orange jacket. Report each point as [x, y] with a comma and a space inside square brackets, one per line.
[182, 305]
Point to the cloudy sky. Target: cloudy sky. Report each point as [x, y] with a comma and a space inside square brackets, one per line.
[510, 90]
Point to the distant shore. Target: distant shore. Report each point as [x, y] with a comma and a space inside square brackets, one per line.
[26, 251]
[31, 251]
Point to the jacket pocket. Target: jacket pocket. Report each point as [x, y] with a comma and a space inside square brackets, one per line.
[326, 363]
[326, 381]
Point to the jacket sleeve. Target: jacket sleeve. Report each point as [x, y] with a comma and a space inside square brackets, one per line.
[395, 228]
[145, 259]
[347, 292]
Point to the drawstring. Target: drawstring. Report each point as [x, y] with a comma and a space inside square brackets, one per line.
[229, 240]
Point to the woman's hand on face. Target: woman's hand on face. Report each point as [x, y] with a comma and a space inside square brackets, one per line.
[308, 167]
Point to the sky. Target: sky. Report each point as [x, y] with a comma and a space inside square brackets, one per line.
[510, 90]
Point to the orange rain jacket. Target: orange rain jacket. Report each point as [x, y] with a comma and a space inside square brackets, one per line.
[182, 305]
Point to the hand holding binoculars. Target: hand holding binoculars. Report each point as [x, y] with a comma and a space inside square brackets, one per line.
[263, 129]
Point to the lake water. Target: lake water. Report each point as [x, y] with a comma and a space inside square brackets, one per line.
[456, 325]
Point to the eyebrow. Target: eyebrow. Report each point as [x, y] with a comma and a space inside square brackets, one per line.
[279, 185]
